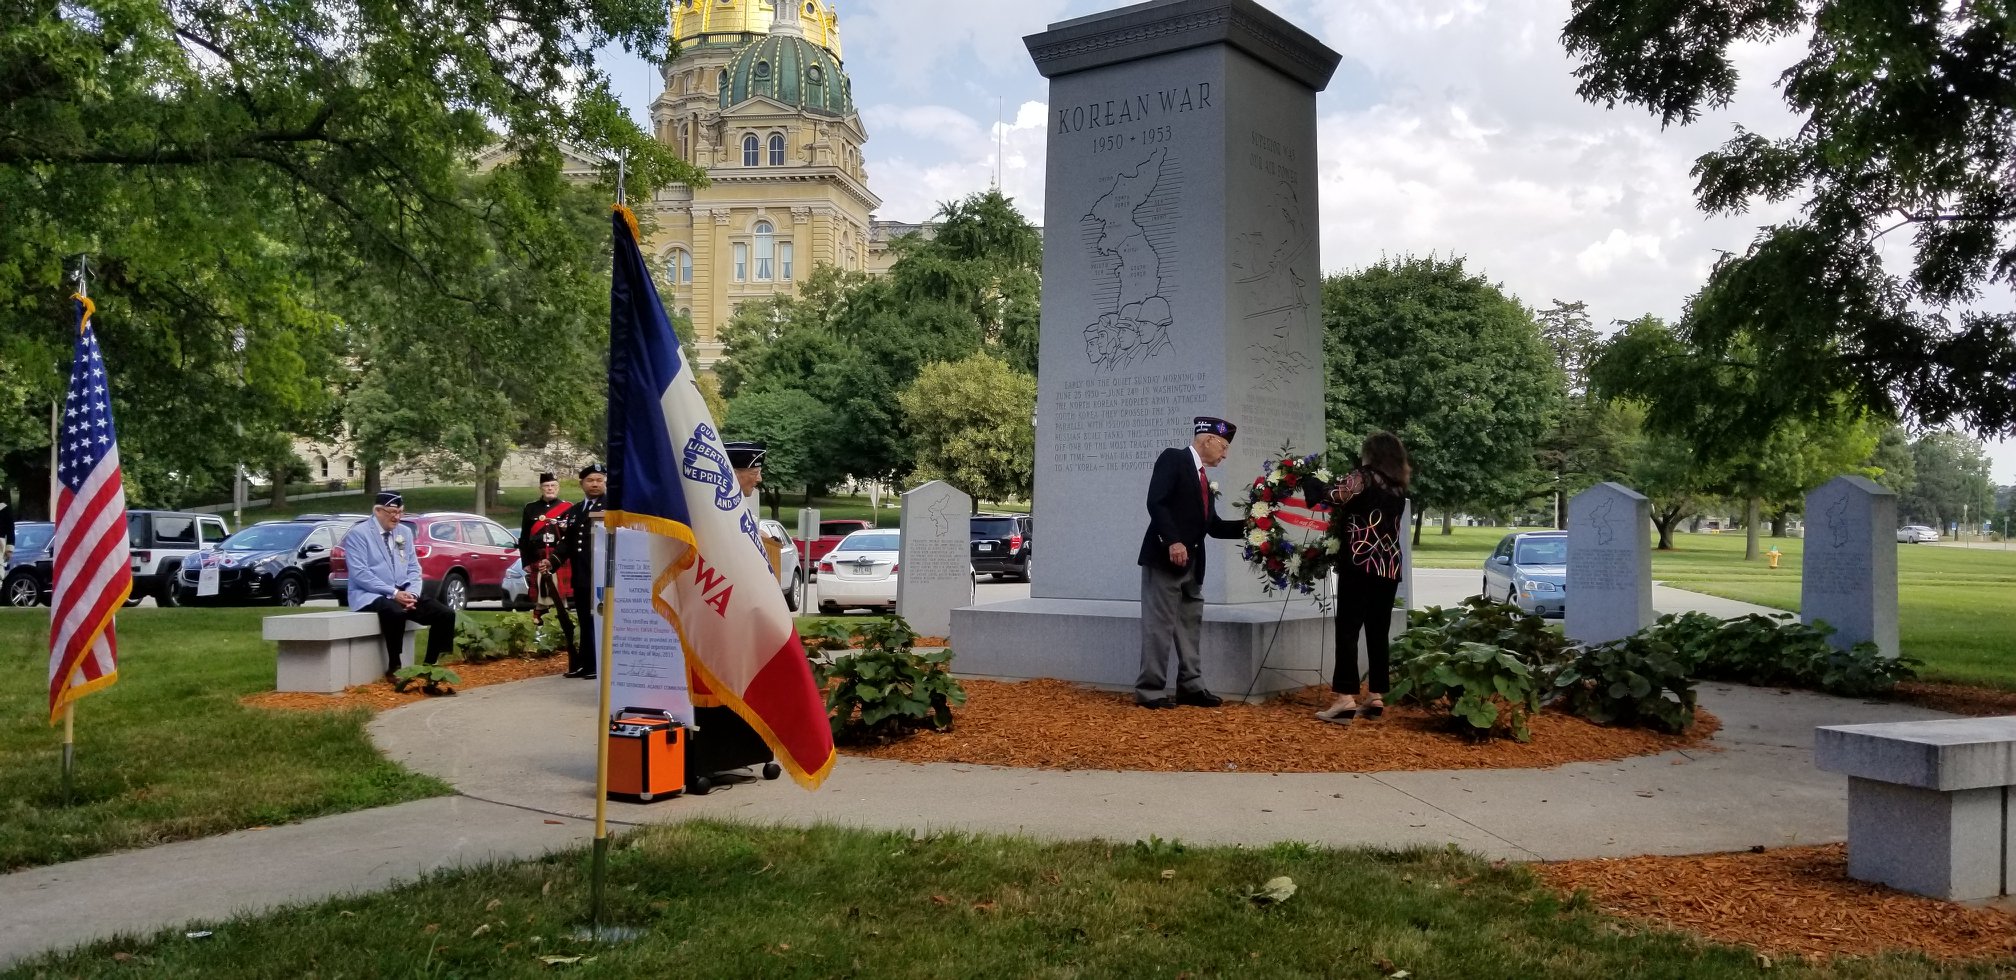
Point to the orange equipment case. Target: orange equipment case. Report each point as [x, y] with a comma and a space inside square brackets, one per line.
[647, 755]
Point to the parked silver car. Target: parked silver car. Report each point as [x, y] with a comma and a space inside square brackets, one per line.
[1530, 570]
[1915, 533]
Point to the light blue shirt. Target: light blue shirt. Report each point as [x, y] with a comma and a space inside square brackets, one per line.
[377, 570]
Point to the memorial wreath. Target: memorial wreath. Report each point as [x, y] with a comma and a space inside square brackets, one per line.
[1289, 541]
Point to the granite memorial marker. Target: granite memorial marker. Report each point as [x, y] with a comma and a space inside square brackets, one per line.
[934, 565]
[1180, 278]
[1849, 578]
[1609, 564]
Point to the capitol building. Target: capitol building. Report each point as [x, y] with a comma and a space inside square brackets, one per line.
[758, 96]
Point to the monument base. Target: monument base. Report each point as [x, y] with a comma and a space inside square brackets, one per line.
[1254, 645]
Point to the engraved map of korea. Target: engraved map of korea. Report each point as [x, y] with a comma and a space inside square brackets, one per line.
[1129, 232]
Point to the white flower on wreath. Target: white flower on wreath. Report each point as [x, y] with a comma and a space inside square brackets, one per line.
[1323, 475]
[1274, 477]
[1333, 546]
[1259, 509]
[1256, 538]
[1295, 564]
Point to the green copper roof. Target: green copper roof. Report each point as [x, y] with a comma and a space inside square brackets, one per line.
[793, 71]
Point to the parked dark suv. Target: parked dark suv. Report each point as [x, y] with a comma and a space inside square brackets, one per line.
[282, 562]
[1001, 545]
[25, 581]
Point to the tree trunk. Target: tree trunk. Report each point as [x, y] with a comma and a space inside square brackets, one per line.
[279, 478]
[496, 483]
[1417, 529]
[30, 481]
[1448, 522]
[1753, 513]
[1778, 522]
[1665, 523]
[374, 479]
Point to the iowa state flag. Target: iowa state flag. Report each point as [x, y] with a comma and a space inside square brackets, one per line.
[669, 475]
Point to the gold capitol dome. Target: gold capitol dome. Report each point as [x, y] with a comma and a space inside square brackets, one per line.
[702, 22]
[757, 96]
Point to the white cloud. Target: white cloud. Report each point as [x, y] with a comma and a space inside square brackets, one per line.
[949, 154]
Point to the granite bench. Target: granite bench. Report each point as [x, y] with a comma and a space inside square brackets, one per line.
[1928, 803]
[325, 652]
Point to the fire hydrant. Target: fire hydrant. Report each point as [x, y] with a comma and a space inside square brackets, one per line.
[1773, 556]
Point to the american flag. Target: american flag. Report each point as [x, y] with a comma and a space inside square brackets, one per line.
[93, 574]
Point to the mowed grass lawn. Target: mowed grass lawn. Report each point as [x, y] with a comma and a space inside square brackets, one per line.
[1952, 603]
[168, 753]
[716, 900]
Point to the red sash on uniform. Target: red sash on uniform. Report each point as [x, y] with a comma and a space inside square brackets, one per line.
[561, 576]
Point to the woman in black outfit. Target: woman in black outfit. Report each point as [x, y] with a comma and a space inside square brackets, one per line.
[1369, 501]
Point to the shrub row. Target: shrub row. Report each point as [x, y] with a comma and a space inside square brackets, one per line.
[1491, 665]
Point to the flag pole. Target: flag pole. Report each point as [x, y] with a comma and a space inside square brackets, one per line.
[70, 706]
[598, 867]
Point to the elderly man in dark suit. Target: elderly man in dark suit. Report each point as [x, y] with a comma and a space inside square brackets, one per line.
[1181, 513]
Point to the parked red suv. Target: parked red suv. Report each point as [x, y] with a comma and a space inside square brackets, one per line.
[463, 558]
[830, 533]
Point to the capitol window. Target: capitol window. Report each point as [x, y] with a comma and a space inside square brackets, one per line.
[680, 264]
[741, 261]
[776, 149]
[766, 249]
[750, 154]
[784, 260]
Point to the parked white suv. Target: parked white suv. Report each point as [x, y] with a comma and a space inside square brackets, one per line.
[160, 539]
[790, 577]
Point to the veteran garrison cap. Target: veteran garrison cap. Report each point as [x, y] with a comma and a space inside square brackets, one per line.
[390, 498]
[1203, 424]
[744, 455]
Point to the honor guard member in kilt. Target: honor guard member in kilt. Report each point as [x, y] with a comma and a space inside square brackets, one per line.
[1181, 513]
[385, 579]
[544, 525]
[747, 460]
[577, 549]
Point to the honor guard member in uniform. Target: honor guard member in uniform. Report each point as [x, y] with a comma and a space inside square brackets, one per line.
[1181, 514]
[747, 460]
[577, 549]
[544, 525]
[385, 579]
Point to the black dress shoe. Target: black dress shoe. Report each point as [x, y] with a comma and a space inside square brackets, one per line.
[574, 672]
[1163, 702]
[1199, 699]
[588, 676]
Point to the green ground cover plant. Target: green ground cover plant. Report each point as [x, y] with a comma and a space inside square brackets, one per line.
[168, 753]
[720, 900]
[1950, 600]
[885, 689]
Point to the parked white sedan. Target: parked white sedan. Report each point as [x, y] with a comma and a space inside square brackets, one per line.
[860, 572]
[1915, 533]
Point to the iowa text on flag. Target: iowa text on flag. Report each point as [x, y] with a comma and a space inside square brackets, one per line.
[92, 574]
[669, 475]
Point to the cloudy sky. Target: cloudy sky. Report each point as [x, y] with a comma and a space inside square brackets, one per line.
[1452, 126]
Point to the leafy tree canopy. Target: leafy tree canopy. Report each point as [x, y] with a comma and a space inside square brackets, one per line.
[1444, 359]
[1904, 129]
[971, 424]
[1952, 481]
[234, 171]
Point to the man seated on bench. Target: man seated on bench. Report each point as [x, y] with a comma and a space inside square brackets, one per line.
[385, 579]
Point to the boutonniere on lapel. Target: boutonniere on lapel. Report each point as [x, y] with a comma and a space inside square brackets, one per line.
[398, 544]
[1214, 489]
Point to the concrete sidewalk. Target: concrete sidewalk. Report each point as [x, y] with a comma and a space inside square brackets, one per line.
[523, 757]
[532, 744]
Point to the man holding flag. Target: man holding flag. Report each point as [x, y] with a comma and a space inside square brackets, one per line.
[670, 475]
[93, 572]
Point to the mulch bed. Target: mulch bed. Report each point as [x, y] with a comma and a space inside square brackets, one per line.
[1051, 724]
[1793, 901]
[378, 695]
[1958, 699]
